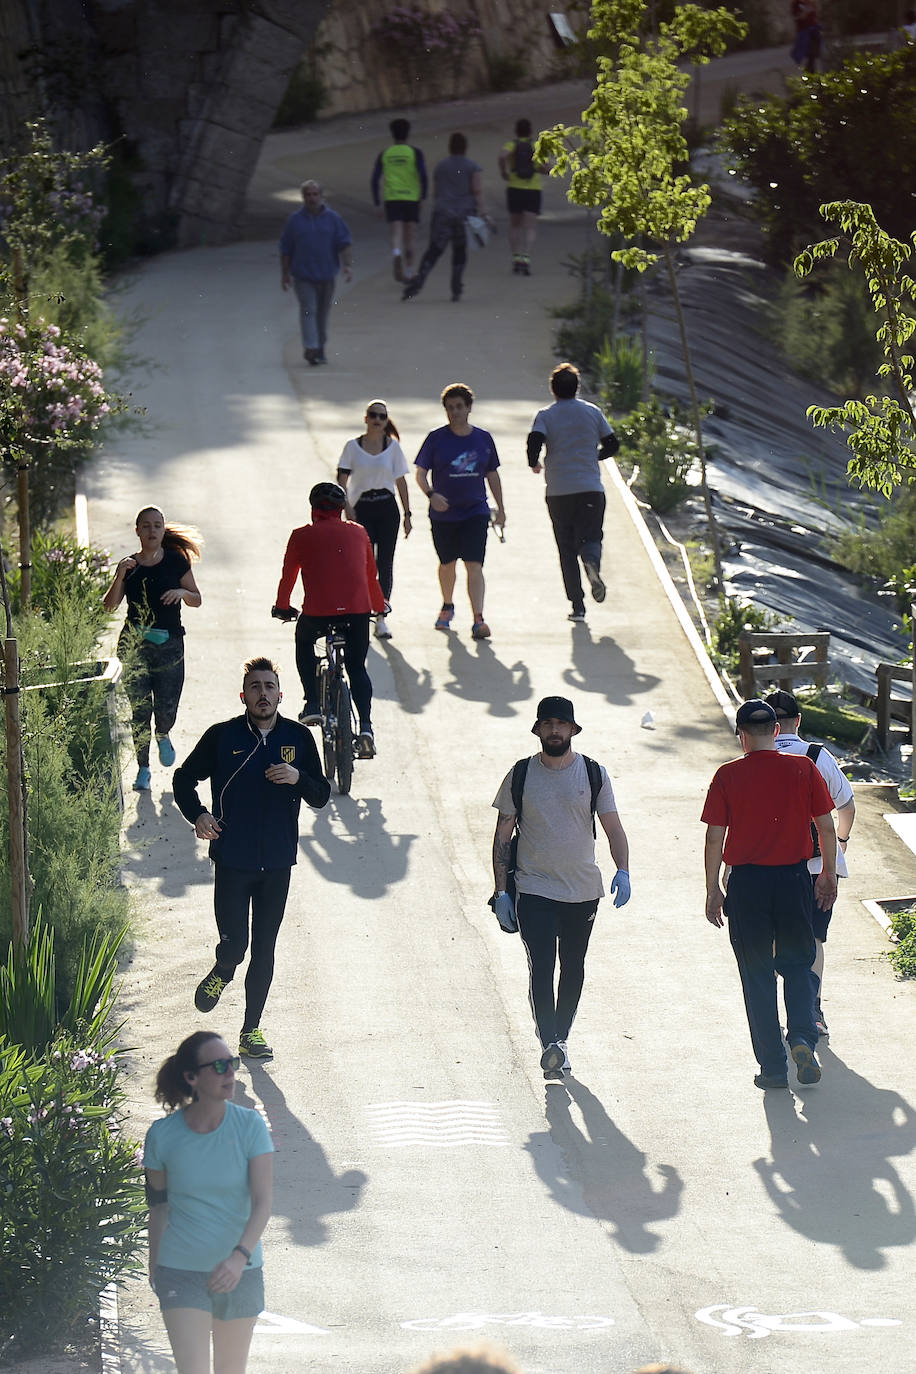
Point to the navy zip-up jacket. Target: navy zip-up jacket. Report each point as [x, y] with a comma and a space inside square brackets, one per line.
[260, 819]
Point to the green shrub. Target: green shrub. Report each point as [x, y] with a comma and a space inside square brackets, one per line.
[618, 371]
[826, 329]
[734, 617]
[886, 553]
[73, 1210]
[656, 439]
[65, 576]
[305, 96]
[507, 70]
[903, 955]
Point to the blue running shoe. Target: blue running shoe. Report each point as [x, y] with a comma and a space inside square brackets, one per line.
[166, 751]
[143, 780]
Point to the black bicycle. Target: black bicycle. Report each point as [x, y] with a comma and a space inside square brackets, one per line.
[338, 723]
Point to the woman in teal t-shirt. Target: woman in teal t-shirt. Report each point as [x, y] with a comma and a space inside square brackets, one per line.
[209, 1179]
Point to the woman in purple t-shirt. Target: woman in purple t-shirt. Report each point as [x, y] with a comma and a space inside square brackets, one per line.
[454, 467]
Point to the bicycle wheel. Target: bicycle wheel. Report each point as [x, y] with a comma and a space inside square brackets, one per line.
[344, 740]
[328, 728]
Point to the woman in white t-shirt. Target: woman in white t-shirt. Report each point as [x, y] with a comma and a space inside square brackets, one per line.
[371, 467]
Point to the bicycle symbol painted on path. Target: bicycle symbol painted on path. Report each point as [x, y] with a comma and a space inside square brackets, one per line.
[738, 1321]
[475, 1321]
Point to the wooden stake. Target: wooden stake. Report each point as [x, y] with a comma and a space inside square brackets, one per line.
[18, 876]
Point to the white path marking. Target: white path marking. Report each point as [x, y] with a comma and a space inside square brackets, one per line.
[737, 1321]
[269, 1324]
[440, 1125]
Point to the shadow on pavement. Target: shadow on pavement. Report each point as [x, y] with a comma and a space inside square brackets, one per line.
[600, 665]
[480, 676]
[414, 686]
[367, 858]
[830, 1175]
[161, 847]
[607, 1176]
[306, 1188]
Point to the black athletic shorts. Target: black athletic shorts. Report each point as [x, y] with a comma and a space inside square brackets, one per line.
[520, 199]
[464, 539]
[406, 211]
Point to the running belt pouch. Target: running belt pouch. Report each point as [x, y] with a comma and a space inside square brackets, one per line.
[155, 636]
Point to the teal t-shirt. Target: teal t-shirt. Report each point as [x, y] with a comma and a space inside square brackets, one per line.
[207, 1182]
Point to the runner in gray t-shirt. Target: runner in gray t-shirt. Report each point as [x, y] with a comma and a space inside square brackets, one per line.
[557, 880]
[577, 437]
[457, 193]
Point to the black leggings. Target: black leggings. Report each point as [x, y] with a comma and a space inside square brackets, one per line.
[548, 927]
[310, 628]
[380, 519]
[445, 229]
[153, 682]
[263, 891]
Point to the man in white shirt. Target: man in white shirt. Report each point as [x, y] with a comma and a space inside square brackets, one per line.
[788, 718]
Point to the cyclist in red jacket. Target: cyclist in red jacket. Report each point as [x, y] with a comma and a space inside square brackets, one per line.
[341, 586]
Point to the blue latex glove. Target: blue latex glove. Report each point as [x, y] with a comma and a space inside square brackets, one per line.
[621, 887]
[503, 909]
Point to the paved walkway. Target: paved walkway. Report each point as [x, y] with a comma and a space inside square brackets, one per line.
[659, 1208]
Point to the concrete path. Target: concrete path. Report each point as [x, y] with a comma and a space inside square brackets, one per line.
[430, 1191]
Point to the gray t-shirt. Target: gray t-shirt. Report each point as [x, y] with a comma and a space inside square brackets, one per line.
[573, 430]
[556, 848]
[452, 185]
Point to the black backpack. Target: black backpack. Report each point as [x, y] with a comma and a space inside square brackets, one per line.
[523, 159]
[812, 752]
[519, 772]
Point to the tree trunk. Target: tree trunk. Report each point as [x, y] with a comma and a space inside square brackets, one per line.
[697, 422]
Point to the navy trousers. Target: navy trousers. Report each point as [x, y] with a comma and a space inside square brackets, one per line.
[769, 925]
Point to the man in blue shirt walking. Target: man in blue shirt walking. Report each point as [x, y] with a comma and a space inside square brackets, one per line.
[314, 246]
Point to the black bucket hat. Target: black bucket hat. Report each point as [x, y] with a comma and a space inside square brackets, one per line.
[556, 708]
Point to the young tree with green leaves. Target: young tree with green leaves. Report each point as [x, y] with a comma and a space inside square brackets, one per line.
[881, 429]
[629, 158]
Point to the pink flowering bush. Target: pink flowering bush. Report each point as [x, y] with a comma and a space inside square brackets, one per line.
[420, 35]
[52, 400]
[73, 1209]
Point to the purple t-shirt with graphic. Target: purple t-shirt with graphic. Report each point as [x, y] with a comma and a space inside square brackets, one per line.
[458, 464]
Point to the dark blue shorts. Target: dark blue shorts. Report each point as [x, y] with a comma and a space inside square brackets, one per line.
[188, 1288]
[464, 539]
[522, 200]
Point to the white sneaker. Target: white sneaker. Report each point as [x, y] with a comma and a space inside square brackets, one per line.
[565, 1066]
[381, 628]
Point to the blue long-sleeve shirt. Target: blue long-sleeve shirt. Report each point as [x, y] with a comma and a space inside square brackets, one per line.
[312, 243]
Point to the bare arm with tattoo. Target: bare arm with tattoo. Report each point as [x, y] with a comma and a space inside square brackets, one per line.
[502, 839]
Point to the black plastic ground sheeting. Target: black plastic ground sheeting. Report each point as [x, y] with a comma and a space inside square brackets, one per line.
[780, 490]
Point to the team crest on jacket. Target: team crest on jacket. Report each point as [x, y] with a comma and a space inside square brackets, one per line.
[288, 753]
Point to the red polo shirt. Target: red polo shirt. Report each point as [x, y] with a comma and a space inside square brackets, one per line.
[337, 566]
[767, 807]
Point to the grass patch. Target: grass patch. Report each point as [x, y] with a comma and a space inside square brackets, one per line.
[831, 718]
[903, 956]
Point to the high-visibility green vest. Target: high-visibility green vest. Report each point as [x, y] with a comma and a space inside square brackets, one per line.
[400, 178]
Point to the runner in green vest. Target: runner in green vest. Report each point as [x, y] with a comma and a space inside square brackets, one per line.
[399, 183]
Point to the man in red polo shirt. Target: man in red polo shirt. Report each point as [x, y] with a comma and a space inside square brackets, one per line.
[758, 815]
[341, 586]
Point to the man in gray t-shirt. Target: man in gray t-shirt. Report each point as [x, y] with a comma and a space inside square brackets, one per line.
[558, 883]
[577, 437]
[457, 193]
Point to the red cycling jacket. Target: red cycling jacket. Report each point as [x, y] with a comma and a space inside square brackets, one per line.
[337, 565]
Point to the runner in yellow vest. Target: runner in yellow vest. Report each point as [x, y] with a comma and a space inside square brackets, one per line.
[523, 195]
[399, 183]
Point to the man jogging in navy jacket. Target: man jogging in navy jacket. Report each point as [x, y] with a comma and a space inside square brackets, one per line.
[261, 767]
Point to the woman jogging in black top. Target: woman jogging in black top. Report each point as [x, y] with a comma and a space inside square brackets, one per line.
[370, 468]
[155, 581]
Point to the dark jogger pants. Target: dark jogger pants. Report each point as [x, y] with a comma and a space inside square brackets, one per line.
[236, 891]
[153, 682]
[577, 519]
[769, 925]
[445, 229]
[549, 928]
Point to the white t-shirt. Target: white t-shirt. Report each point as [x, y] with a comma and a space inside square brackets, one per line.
[838, 786]
[372, 471]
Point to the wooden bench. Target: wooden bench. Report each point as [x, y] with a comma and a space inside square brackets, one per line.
[888, 707]
[784, 672]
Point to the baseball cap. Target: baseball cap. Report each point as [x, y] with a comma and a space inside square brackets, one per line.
[754, 712]
[784, 704]
[555, 708]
